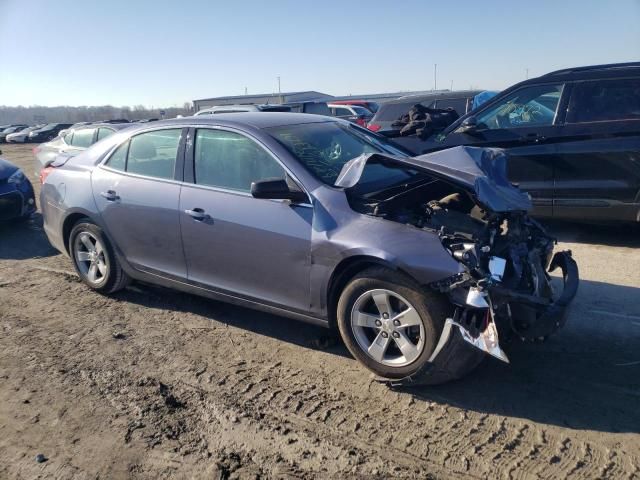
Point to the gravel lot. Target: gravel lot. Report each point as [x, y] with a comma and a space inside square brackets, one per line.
[152, 383]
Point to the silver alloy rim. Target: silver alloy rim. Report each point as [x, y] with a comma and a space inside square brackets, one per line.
[387, 328]
[90, 258]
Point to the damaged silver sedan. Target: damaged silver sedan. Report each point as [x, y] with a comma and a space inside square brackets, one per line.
[425, 265]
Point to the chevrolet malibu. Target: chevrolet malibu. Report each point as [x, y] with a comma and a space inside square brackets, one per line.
[424, 265]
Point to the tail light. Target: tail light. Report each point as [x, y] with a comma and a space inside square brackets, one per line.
[44, 173]
[361, 121]
[373, 127]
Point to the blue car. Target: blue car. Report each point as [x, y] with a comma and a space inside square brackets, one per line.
[17, 200]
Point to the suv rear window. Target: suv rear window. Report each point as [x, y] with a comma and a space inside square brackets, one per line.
[605, 100]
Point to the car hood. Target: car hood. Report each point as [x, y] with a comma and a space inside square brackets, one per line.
[6, 169]
[482, 171]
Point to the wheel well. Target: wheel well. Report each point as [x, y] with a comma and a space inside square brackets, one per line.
[342, 274]
[68, 224]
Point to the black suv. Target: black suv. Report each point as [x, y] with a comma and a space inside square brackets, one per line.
[573, 138]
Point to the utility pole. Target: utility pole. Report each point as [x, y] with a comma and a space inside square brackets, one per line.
[279, 92]
[451, 88]
[435, 76]
[245, 90]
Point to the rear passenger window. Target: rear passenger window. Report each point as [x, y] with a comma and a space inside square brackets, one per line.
[104, 132]
[232, 161]
[153, 154]
[605, 100]
[83, 138]
[118, 159]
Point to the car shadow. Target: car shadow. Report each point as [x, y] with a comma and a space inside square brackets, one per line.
[21, 240]
[587, 376]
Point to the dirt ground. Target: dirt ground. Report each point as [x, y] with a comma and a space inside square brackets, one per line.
[151, 383]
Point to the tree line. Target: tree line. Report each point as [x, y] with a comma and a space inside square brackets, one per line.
[38, 114]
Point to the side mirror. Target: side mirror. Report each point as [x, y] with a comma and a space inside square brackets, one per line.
[276, 189]
[469, 125]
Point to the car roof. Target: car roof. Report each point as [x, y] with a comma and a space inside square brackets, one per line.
[433, 96]
[254, 119]
[590, 72]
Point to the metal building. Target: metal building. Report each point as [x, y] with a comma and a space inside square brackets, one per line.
[266, 98]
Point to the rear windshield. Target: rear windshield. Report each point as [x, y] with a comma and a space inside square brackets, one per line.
[324, 148]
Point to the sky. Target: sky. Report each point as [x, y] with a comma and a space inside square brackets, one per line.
[165, 53]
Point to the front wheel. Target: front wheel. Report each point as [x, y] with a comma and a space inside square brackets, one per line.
[392, 325]
[94, 259]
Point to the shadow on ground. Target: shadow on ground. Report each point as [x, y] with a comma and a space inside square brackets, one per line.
[21, 240]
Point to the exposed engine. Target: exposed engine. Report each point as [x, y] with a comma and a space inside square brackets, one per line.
[505, 286]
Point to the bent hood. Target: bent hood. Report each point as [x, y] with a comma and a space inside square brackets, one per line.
[482, 171]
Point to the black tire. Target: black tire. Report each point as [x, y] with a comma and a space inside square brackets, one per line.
[115, 278]
[433, 308]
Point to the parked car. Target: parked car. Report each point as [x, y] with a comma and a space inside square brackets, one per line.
[320, 220]
[73, 141]
[352, 113]
[243, 108]
[48, 132]
[17, 201]
[313, 107]
[391, 111]
[21, 136]
[371, 106]
[573, 138]
[9, 130]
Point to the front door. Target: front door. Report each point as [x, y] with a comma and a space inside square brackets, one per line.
[523, 122]
[138, 199]
[234, 243]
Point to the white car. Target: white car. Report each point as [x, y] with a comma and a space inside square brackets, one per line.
[21, 136]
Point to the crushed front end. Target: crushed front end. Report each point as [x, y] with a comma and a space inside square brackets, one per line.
[504, 288]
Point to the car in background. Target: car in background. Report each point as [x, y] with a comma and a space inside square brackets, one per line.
[73, 141]
[320, 220]
[21, 136]
[393, 110]
[48, 132]
[242, 108]
[573, 139]
[352, 113]
[369, 105]
[9, 130]
[312, 107]
[17, 200]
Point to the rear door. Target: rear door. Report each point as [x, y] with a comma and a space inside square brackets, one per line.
[257, 249]
[137, 193]
[598, 166]
[527, 123]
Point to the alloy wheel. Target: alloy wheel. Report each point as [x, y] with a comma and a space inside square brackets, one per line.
[387, 328]
[90, 257]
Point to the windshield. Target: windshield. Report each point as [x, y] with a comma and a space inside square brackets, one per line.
[324, 148]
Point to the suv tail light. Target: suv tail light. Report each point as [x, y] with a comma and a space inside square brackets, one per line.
[44, 173]
[361, 121]
[373, 127]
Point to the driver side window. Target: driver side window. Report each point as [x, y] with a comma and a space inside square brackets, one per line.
[528, 106]
[232, 161]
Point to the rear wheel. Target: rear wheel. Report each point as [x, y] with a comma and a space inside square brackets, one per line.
[94, 259]
[392, 325]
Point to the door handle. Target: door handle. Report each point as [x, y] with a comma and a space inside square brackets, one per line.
[197, 214]
[110, 195]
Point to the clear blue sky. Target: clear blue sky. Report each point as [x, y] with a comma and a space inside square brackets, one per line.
[127, 52]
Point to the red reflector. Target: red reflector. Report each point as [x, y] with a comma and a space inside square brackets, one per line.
[44, 173]
[373, 127]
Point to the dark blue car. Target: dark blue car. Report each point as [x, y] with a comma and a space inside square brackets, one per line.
[17, 200]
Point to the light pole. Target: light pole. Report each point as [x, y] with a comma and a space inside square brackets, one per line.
[279, 92]
[435, 76]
